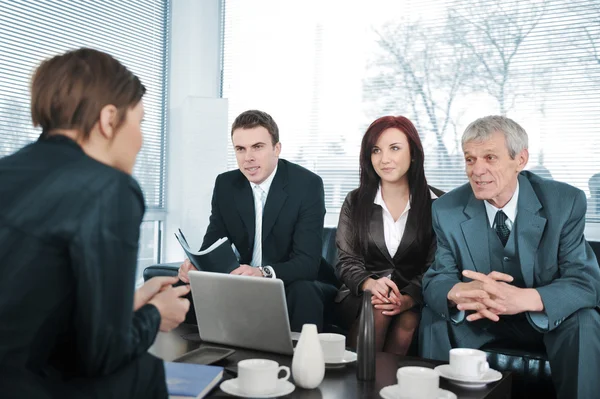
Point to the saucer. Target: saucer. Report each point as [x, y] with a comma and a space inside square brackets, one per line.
[231, 387]
[469, 382]
[394, 391]
[349, 357]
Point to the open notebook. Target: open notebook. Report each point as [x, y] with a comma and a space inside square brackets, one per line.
[218, 258]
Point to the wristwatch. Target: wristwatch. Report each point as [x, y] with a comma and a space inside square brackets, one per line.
[266, 271]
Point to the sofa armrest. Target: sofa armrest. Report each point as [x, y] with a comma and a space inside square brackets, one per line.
[162, 269]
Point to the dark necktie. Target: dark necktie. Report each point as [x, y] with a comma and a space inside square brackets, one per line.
[501, 229]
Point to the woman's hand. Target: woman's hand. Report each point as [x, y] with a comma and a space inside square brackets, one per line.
[150, 289]
[383, 289]
[401, 304]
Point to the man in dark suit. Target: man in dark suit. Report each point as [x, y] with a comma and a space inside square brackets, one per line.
[272, 211]
[512, 262]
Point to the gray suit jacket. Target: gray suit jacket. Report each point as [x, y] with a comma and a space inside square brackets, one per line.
[555, 258]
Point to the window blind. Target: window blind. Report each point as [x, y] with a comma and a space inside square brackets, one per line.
[326, 70]
[134, 32]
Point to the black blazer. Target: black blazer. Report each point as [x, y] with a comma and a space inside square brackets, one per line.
[69, 230]
[293, 217]
[407, 266]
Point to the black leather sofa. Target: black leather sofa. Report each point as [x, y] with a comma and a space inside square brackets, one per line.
[530, 366]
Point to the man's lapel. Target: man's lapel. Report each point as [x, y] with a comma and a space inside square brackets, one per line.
[376, 231]
[244, 201]
[275, 200]
[529, 228]
[476, 236]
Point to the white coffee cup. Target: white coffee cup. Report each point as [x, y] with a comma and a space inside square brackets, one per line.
[260, 376]
[334, 347]
[418, 382]
[468, 363]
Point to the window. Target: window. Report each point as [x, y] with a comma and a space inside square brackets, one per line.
[325, 75]
[134, 32]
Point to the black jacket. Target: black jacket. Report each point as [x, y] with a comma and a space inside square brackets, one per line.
[69, 230]
[407, 266]
[293, 218]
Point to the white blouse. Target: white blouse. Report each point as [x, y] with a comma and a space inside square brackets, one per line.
[393, 230]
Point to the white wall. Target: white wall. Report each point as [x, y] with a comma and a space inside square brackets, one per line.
[197, 136]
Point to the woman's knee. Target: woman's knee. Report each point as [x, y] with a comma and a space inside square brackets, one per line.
[380, 319]
[408, 321]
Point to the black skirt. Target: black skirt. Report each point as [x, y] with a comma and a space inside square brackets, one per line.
[347, 311]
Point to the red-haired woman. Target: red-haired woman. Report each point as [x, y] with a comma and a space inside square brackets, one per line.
[384, 237]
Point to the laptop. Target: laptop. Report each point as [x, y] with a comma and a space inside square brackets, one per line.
[244, 311]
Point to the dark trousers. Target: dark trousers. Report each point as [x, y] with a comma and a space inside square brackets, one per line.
[142, 378]
[309, 302]
[573, 347]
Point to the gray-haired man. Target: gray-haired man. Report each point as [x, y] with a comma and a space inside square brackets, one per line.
[512, 262]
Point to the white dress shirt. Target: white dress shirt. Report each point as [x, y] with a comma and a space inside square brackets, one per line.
[510, 210]
[393, 230]
[260, 193]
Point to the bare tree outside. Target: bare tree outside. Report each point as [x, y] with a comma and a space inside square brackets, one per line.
[443, 64]
[592, 34]
[494, 33]
[424, 72]
[419, 73]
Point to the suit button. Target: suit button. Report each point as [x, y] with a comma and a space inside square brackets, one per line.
[557, 322]
[506, 259]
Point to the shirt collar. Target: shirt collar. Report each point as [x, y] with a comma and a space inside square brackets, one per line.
[379, 201]
[379, 198]
[266, 185]
[510, 209]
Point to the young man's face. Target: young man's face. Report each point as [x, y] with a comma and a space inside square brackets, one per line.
[255, 153]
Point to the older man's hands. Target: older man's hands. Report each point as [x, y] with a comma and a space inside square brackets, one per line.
[491, 295]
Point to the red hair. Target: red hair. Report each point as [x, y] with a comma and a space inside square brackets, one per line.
[369, 179]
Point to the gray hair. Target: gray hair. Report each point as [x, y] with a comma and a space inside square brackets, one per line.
[483, 128]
